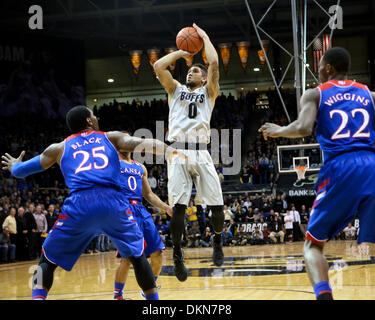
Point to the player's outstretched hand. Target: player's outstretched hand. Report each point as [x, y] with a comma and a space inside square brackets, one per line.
[9, 161]
[200, 31]
[270, 130]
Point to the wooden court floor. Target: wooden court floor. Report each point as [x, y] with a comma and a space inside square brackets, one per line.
[266, 272]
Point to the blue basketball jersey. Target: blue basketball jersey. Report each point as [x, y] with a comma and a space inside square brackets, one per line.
[345, 120]
[132, 174]
[90, 159]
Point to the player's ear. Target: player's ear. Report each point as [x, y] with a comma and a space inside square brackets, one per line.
[89, 121]
[329, 69]
[204, 80]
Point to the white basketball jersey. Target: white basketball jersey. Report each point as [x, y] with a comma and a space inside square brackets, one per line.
[189, 115]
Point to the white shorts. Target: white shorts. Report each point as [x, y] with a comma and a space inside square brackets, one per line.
[199, 169]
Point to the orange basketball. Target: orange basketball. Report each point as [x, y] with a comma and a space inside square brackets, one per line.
[189, 40]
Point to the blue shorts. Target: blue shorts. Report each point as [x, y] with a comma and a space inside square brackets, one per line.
[86, 214]
[345, 188]
[148, 228]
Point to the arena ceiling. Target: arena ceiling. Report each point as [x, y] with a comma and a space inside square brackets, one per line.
[110, 27]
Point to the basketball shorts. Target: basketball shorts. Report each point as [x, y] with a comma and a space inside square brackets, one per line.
[199, 168]
[345, 187]
[153, 242]
[86, 214]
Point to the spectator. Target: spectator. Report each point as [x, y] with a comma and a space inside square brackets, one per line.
[232, 227]
[247, 203]
[227, 237]
[10, 224]
[228, 214]
[285, 203]
[296, 224]
[257, 203]
[266, 235]
[191, 212]
[245, 176]
[304, 215]
[41, 229]
[241, 238]
[3, 215]
[31, 230]
[239, 214]
[276, 228]
[194, 236]
[278, 207]
[22, 239]
[288, 220]
[51, 217]
[103, 243]
[162, 227]
[206, 238]
[261, 224]
[271, 216]
[257, 236]
[257, 215]
[152, 181]
[93, 245]
[350, 232]
[7, 249]
[263, 169]
[234, 206]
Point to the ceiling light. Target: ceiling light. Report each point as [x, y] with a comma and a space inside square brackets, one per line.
[256, 69]
[110, 80]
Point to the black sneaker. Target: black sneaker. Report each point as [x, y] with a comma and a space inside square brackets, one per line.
[179, 267]
[217, 253]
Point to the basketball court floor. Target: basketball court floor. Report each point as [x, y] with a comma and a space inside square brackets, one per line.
[264, 272]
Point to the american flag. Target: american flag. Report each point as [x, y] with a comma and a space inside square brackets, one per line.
[317, 53]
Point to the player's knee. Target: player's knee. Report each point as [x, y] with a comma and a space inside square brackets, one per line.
[125, 262]
[157, 258]
[157, 255]
[143, 273]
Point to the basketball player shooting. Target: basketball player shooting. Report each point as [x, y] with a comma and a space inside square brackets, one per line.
[190, 108]
[344, 113]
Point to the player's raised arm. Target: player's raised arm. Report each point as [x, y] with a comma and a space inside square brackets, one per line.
[213, 61]
[162, 72]
[123, 142]
[303, 126]
[151, 197]
[22, 169]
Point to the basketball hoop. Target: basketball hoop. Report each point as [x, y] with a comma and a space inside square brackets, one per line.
[300, 171]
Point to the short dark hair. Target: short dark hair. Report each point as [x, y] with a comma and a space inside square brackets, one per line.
[76, 118]
[200, 66]
[339, 58]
